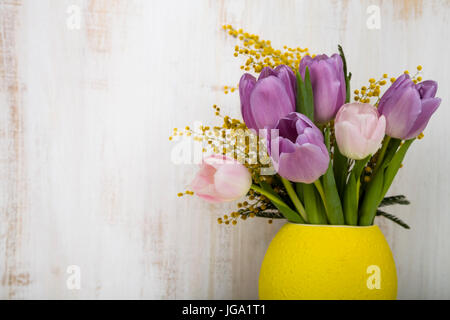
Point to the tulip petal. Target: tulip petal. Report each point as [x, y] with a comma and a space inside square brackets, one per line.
[299, 153]
[401, 115]
[306, 164]
[339, 68]
[285, 74]
[328, 83]
[326, 90]
[377, 136]
[359, 130]
[350, 140]
[246, 85]
[266, 72]
[220, 179]
[203, 184]
[204, 177]
[427, 89]
[287, 129]
[286, 145]
[209, 195]
[408, 107]
[311, 135]
[429, 106]
[218, 160]
[280, 145]
[232, 181]
[402, 82]
[306, 61]
[302, 123]
[363, 115]
[269, 102]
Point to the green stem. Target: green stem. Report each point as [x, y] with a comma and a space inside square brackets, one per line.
[322, 194]
[382, 180]
[313, 205]
[295, 200]
[394, 166]
[268, 195]
[351, 194]
[358, 186]
[285, 210]
[333, 205]
[386, 141]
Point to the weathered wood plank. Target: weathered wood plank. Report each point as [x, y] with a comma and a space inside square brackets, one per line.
[86, 176]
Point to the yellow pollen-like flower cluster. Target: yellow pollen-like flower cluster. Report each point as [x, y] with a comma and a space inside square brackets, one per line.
[259, 53]
[256, 205]
[372, 92]
[231, 139]
[187, 192]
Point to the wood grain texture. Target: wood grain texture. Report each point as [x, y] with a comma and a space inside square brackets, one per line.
[86, 176]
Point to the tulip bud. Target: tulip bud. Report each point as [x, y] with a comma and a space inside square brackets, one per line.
[265, 101]
[298, 151]
[359, 130]
[221, 179]
[408, 107]
[328, 84]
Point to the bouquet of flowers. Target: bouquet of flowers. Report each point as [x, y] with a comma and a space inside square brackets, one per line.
[304, 152]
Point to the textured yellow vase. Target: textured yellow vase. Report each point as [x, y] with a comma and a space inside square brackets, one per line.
[328, 262]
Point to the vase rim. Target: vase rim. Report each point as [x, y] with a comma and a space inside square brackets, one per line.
[330, 225]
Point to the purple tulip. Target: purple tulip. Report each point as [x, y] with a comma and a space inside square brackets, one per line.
[265, 101]
[298, 151]
[408, 107]
[328, 84]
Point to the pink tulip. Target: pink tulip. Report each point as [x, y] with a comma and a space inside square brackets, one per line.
[221, 179]
[359, 130]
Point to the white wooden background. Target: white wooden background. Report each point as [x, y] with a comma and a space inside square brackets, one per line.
[85, 171]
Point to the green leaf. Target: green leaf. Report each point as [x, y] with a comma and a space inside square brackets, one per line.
[299, 190]
[340, 167]
[382, 180]
[371, 200]
[347, 76]
[351, 195]
[394, 166]
[294, 198]
[390, 146]
[305, 97]
[309, 96]
[321, 208]
[333, 204]
[359, 166]
[388, 201]
[313, 205]
[393, 218]
[287, 212]
[350, 203]
[300, 107]
[390, 152]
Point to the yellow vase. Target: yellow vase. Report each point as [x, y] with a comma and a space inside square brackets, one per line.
[328, 262]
